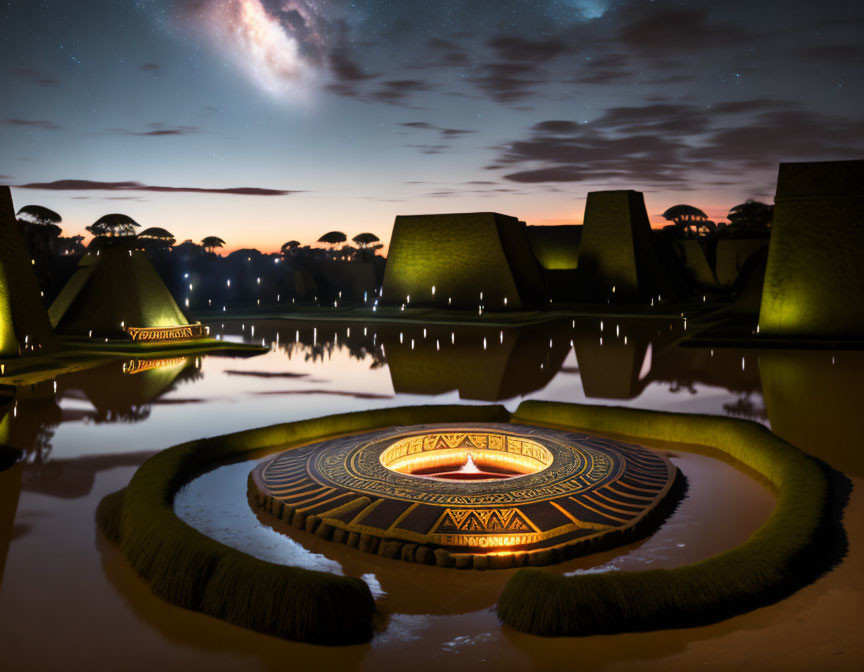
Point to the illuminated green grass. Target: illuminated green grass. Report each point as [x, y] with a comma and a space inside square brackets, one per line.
[188, 569]
[768, 563]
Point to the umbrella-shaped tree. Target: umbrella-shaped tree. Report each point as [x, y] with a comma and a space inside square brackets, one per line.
[37, 215]
[364, 240]
[115, 225]
[333, 238]
[290, 247]
[689, 219]
[210, 243]
[751, 216]
[155, 238]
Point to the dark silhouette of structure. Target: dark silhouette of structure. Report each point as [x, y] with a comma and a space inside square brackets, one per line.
[24, 325]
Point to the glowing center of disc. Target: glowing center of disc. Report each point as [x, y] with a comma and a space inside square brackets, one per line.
[463, 456]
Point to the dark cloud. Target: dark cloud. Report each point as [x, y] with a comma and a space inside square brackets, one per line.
[522, 50]
[784, 135]
[507, 82]
[150, 67]
[445, 133]
[676, 145]
[91, 185]
[430, 149]
[31, 123]
[33, 76]
[835, 54]
[394, 92]
[667, 31]
[346, 69]
[157, 129]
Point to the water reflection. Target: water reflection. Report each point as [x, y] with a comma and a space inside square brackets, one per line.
[84, 433]
[613, 359]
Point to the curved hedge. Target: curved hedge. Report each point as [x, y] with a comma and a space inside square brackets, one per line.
[188, 569]
[768, 563]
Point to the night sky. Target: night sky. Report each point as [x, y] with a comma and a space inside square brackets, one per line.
[265, 120]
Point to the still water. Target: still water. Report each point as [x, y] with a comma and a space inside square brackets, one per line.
[67, 598]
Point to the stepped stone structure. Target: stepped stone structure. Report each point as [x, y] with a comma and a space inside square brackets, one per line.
[462, 255]
[617, 258]
[111, 291]
[24, 324]
[814, 282]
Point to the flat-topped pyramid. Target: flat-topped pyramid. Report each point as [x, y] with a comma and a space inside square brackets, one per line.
[112, 290]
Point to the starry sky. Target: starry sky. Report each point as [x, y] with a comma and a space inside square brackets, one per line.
[262, 121]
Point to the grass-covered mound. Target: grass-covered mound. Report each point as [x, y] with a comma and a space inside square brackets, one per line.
[776, 557]
[187, 568]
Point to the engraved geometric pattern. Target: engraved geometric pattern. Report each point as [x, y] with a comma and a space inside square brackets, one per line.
[592, 485]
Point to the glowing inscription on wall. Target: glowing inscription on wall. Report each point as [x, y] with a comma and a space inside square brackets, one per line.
[173, 333]
[138, 365]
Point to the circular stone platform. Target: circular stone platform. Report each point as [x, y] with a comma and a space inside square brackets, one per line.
[467, 495]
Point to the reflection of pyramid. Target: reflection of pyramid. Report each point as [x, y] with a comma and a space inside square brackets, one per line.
[463, 256]
[515, 364]
[814, 284]
[119, 287]
[116, 394]
[617, 250]
[612, 370]
[24, 324]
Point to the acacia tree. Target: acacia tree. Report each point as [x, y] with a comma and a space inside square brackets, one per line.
[364, 240]
[333, 238]
[210, 243]
[115, 225]
[689, 220]
[155, 238]
[751, 216]
[290, 247]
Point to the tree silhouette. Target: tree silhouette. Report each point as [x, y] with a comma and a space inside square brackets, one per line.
[38, 215]
[751, 216]
[115, 225]
[156, 237]
[365, 239]
[210, 243]
[689, 220]
[290, 247]
[333, 238]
